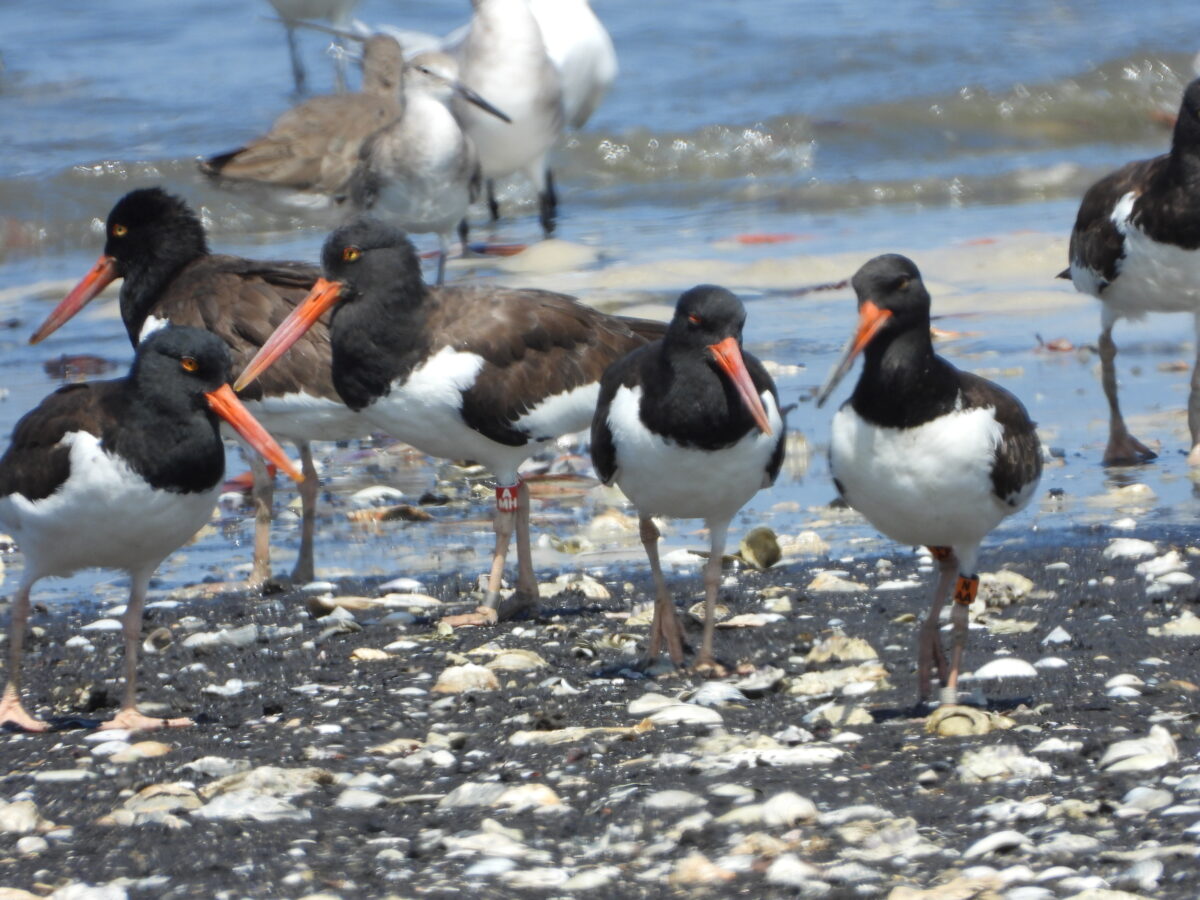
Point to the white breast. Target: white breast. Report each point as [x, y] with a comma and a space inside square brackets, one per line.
[664, 478]
[930, 484]
[1152, 277]
[105, 515]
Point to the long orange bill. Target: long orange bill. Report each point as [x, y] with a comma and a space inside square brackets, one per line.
[323, 295]
[729, 357]
[225, 403]
[870, 319]
[101, 275]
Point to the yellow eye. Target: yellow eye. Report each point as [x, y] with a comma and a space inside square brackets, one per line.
[120, 231]
[350, 254]
[188, 364]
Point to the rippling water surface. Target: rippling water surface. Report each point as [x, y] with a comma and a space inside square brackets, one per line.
[846, 128]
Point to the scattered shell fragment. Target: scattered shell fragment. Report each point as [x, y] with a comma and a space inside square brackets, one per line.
[760, 548]
[829, 582]
[958, 721]
[1144, 754]
[469, 677]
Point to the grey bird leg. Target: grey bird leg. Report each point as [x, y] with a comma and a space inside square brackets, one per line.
[929, 646]
[665, 626]
[297, 67]
[264, 501]
[11, 710]
[1194, 404]
[1123, 448]
[493, 206]
[548, 205]
[310, 489]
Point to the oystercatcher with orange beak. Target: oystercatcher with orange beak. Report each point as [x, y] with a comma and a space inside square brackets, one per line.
[459, 372]
[156, 244]
[117, 475]
[928, 454]
[689, 427]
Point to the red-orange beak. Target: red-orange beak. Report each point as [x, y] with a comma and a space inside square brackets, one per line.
[101, 275]
[323, 295]
[225, 403]
[870, 319]
[729, 357]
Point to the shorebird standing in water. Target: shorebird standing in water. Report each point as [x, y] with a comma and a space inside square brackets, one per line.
[420, 171]
[928, 454]
[1136, 248]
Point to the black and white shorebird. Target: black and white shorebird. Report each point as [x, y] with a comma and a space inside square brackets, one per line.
[1136, 248]
[420, 171]
[119, 474]
[928, 454]
[689, 426]
[156, 243]
[461, 372]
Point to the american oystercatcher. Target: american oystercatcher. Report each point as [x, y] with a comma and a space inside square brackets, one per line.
[1136, 248]
[119, 474]
[460, 372]
[689, 427]
[420, 171]
[928, 454]
[156, 243]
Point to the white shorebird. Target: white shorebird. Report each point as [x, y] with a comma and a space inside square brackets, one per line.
[337, 12]
[503, 57]
[421, 171]
[1136, 248]
[582, 50]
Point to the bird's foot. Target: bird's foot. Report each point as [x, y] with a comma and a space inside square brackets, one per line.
[494, 609]
[13, 715]
[132, 720]
[1126, 450]
[707, 667]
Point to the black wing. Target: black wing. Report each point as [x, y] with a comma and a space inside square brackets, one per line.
[624, 371]
[36, 463]
[1096, 243]
[1019, 457]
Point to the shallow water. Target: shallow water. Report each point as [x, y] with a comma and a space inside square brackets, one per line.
[841, 129]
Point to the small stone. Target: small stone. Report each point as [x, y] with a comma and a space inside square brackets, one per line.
[789, 869]
[1129, 548]
[1141, 754]
[357, 798]
[32, 845]
[1005, 667]
[1001, 762]
[20, 817]
[469, 677]
[840, 648]
[674, 800]
[788, 808]
[998, 842]
[828, 582]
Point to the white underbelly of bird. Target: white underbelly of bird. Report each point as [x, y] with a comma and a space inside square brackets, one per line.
[1153, 276]
[701, 480]
[930, 484]
[83, 523]
[306, 417]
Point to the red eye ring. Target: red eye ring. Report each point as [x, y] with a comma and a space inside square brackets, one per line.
[694, 319]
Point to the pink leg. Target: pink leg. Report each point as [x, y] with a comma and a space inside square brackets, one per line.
[665, 627]
[929, 647]
[264, 501]
[11, 710]
[705, 663]
[128, 717]
[965, 591]
[1123, 448]
[310, 490]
